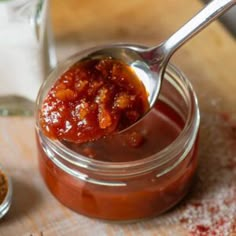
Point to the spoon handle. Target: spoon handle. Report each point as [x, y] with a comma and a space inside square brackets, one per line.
[196, 24]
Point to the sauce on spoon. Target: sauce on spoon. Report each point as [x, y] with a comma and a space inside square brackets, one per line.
[92, 99]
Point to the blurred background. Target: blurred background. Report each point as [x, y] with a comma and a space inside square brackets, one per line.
[80, 24]
[229, 19]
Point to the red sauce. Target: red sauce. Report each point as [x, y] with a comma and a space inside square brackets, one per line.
[145, 195]
[92, 99]
[160, 128]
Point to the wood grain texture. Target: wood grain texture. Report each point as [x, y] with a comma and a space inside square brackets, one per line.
[208, 60]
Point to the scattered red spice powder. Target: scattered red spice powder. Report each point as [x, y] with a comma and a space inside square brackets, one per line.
[202, 228]
[210, 208]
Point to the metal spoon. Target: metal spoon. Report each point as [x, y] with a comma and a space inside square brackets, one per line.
[150, 63]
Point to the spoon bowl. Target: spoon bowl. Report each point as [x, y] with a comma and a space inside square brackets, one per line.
[132, 55]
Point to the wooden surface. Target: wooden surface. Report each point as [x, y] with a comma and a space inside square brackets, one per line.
[209, 61]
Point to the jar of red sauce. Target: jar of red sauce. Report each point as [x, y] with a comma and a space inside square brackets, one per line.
[133, 178]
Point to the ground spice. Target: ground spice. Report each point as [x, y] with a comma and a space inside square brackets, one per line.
[3, 187]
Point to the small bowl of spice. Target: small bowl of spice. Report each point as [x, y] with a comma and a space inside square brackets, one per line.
[5, 193]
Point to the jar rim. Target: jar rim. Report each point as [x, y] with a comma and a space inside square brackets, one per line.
[184, 139]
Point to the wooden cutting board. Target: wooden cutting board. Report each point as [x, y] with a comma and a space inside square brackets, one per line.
[209, 61]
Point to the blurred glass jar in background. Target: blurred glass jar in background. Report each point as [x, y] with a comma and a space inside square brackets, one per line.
[27, 53]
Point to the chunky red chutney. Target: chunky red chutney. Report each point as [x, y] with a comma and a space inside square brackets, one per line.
[92, 99]
[144, 195]
[130, 175]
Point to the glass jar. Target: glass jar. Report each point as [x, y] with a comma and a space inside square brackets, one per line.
[146, 180]
[27, 54]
